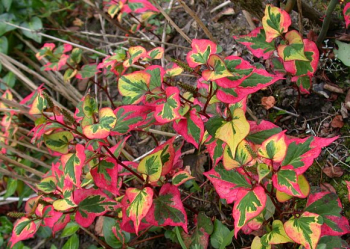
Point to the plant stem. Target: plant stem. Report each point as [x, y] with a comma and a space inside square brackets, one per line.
[102, 243]
[326, 21]
[144, 240]
[289, 5]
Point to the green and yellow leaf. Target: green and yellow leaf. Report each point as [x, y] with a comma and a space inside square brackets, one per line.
[274, 148]
[275, 22]
[276, 236]
[305, 230]
[295, 48]
[140, 202]
[134, 86]
[217, 69]
[151, 166]
[59, 141]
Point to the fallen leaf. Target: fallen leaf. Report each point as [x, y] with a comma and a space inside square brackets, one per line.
[78, 22]
[268, 102]
[337, 122]
[327, 187]
[99, 226]
[333, 172]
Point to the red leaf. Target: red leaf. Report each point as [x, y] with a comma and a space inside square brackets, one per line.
[23, 229]
[167, 209]
[191, 128]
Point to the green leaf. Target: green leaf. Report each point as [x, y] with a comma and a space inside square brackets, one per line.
[343, 52]
[34, 24]
[3, 45]
[11, 187]
[111, 239]
[59, 141]
[10, 78]
[219, 237]
[70, 229]
[72, 243]
[7, 4]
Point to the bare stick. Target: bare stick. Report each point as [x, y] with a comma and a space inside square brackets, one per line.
[22, 166]
[198, 20]
[171, 21]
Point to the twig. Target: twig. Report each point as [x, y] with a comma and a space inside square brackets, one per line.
[164, 133]
[171, 21]
[56, 39]
[326, 21]
[198, 20]
[290, 113]
[101, 242]
[300, 10]
[25, 156]
[220, 6]
[249, 19]
[144, 240]
[19, 177]
[22, 166]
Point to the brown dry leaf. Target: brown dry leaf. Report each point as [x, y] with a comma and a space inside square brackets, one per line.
[333, 172]
[99, 226]
[327, 187]
[268, 102]
[337, 122]
[78, 22]
[196, 163]
[226, 12]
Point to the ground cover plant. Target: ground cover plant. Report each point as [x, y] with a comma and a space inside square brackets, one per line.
[256, 178]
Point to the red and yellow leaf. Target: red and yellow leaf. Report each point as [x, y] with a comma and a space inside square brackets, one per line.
[23, 229]
[191, 127]
[173, 70]
[217, 69]
[130, 117]
[181, 177]
[256, 43]
[134, 86]
[275, 22]
[233, 132]
[91, 203]
[107, 121]
[274, 148]
[302, 152]
[302, 67]
[201, 50]
[134, 54]
[105, 175]
[47, 185]
[169, 111]
[249, 204]
[73, 164]
[115, 8]
[140, 203]
[154, 54]
[294, 50]
[287, 181]
[305, 230]
[228, 183]
[50, 216]
[167, 209]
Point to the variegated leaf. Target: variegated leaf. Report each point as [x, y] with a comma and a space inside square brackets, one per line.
[134, 54]
[249, 204]
[294, 49]
[305, 230]
[274, 148]
[169, 111]
[256, 43]
[217, 69]
[59, 141]
[23, 229]
[167, 209]
[151, 166]
[276, 236]
[228, 183]
[134, 86]
[275, 22]
[140, 203]
[181, 177]
[201, 50]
